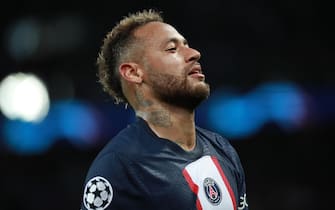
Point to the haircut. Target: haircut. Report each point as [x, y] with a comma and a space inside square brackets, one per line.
[117, 47]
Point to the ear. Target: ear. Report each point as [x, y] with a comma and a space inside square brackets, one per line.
[131, 72]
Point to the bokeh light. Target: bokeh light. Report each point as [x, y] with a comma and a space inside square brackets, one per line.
[24, 96]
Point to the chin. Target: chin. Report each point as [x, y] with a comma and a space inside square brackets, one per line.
[202, 89]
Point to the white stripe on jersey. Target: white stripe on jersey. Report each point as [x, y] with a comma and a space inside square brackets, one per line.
[208, 168]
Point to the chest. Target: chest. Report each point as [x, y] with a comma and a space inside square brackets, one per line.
[206, 183]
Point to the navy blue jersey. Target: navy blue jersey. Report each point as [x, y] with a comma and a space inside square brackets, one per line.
[138, 170]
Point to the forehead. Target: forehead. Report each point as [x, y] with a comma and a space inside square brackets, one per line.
[158, 32]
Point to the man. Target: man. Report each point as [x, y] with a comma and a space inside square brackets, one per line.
[162, 160]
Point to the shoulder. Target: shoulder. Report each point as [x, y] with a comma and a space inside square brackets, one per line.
[124, 148]
[113, 154]
[127, 141]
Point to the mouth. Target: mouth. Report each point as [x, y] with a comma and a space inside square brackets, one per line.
[196, 72]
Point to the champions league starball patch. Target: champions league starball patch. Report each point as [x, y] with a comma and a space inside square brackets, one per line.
[212, 191]
[98, 193]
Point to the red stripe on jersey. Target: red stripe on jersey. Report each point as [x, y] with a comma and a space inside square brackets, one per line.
[231, 193]
[194, 187]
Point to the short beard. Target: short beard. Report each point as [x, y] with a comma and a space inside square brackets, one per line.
[178, 91]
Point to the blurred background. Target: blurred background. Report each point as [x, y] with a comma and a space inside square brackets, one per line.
[271, 70]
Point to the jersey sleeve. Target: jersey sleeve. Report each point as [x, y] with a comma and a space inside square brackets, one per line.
[110, 184]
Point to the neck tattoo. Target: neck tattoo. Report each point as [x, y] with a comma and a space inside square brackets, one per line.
[141, 100]
[160, 118]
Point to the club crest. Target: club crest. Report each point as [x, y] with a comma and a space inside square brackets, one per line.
[212, 191]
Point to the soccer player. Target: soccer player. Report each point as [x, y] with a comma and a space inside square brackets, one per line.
[162, 160]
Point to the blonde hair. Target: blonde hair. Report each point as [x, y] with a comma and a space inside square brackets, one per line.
[119, 45]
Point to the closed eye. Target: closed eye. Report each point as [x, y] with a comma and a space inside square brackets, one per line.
[172, 49]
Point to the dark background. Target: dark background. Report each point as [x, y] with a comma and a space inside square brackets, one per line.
[243, 43]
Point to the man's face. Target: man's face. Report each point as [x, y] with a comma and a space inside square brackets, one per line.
[172, 68]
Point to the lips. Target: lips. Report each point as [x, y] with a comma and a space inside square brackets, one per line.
[196, 69]
[196, 72]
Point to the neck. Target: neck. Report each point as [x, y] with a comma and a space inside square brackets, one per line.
[172, 123]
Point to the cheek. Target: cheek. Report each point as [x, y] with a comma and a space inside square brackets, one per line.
[171, 63]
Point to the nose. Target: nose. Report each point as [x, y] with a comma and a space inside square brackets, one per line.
[192, 55]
